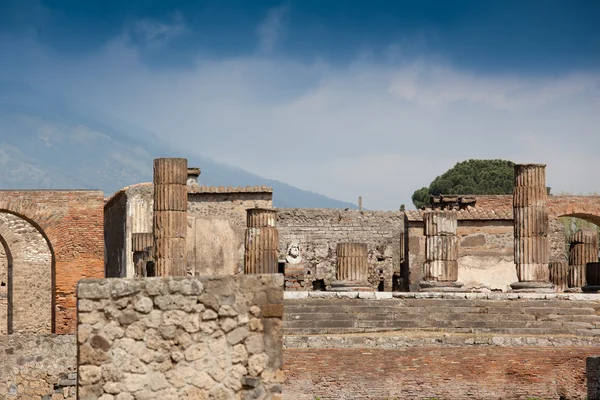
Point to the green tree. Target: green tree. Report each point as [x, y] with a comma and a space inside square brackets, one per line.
[470, 177]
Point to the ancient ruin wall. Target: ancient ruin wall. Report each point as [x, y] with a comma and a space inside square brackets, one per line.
[180, 338]
[38, 367]
[31, 299]
[318, 231]
[465, 372]
[217, 228]
[4, 265]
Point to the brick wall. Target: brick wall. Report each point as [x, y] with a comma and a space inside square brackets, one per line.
[318, 231]
[115, 238]
[72, 222]
[465, 372]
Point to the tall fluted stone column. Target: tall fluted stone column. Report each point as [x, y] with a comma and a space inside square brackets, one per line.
[531, 228]
[583, 249]
[441, 251]
[170, 216]
[352, 268]
[262, 238]
[559, 275]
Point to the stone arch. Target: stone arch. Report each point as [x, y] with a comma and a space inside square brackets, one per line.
[584, 207]
[32, 290]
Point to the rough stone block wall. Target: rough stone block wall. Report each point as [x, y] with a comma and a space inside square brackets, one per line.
[3, 288]
[180, 338]
[31, 267]
[558, 240]
[72, 221]
[318, 231]
[38, 367]
[435, 372]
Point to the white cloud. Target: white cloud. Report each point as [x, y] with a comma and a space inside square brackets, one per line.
[376, 130]
[271, 29]
[155, 33]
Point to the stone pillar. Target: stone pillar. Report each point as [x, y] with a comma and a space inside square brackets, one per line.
[352, 264]
[532, 250]
[261, 255]
[583, 249]
[559, 275]
[440, 270]
[592, 376]
[170, 216]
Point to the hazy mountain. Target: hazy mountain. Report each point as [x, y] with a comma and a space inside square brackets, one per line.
[48, 143]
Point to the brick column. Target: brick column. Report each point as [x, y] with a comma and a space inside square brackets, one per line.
[531, 228]
[440, 270]
[352, 262]
[170, 216]
[583, 249]
[262, 237]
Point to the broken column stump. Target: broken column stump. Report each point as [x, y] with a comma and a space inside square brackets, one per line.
[352, 264]
[531, 248]
[440, 270]
[262, 238]
[559, 275]
[583, 249]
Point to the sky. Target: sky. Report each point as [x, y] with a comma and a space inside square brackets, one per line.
[344, 98]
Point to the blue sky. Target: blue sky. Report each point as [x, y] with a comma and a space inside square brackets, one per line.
[346, 98]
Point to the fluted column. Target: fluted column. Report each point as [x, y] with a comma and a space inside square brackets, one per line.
[559, 275]
[441, 250]
[352, 264]
[583, 249]
[261, 255]
[170, 216]
[531, 249]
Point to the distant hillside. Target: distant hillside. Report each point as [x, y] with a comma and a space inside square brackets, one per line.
[48, 143]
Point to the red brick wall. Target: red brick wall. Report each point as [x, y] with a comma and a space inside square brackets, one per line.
[73, 223]
[437, 372]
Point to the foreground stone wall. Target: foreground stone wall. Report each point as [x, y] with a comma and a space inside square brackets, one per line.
[318, 231]
[180, 338]
[38, 367]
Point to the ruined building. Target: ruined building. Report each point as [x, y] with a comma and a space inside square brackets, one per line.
[476, 297]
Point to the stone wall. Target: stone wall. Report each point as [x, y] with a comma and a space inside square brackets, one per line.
[4, 266]
[72, 225]
[115, 238]
[180, 338]
[318, 231]
[31, 300]
[38, 367]
[216, 227]
[485, 251]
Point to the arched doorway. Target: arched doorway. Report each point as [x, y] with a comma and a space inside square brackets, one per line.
[26, 264]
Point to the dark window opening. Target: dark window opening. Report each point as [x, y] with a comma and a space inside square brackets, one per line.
[396, 283]
[281, 268]
[381, 285]
[150, 269]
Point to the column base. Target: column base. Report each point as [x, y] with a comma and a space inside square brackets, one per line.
[591, 289]
[533, 287]
[351, 286]
[439, 286]
[573, 290]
